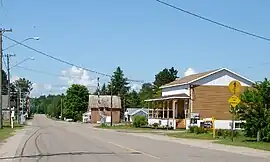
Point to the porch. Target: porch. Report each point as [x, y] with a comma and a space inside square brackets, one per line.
[168, 111]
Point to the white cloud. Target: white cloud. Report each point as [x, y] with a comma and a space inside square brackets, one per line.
[76, 75]
[135, 86]
[189, 71]
[41, 89]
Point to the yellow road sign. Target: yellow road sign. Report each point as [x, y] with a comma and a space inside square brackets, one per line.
[234, 100]
[235, 87]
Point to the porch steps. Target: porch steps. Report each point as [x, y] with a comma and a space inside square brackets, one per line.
[181, 123]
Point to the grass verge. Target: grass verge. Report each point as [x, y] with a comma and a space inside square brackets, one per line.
[246, 143]
[203, 136]
[7, 131]
[240, 140]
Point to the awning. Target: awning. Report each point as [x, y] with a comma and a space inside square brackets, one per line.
[179, 96]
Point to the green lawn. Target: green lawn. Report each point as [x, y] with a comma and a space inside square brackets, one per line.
[246, 143]
[7, 131]
[204, 136]
[238, 141]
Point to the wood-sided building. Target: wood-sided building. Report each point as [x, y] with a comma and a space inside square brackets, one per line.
[205, 94]
[103, 108]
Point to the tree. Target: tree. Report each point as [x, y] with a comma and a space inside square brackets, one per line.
[76, 102]
[4, 83]
[255, 110]
[103, 90]
[146, 92]
[24, 84]
[133, 100]
[119, 87]
[165, 76]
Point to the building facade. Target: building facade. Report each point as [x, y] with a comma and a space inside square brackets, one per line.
[204, 95]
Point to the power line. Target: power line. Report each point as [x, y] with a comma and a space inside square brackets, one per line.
[46, 73]
[63, 61]
[212, 21]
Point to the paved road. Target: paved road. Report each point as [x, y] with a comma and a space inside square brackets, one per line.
[51, 141]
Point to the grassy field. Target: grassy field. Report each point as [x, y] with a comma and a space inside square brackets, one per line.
[7, 131]
[204, 136]
[238, 141]
[242, 141]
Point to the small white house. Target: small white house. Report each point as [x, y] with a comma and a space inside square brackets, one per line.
[132, 112]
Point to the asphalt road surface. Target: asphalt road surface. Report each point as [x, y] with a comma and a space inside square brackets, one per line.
[51, 141]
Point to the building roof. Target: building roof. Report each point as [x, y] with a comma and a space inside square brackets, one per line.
[192, 78]
[132, 111]
[105, 101]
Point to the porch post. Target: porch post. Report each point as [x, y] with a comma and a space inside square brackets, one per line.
[157, 109]
[163, 105]
[168, 105]
[173, 106]
[152, 110]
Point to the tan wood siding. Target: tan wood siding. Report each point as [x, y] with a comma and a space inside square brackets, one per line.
[212, 101]
[96, 117]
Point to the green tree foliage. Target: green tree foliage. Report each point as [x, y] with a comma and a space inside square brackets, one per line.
[133, 100]
[146, 92]
[24, 84]
[255, 110]
[50, 105]
[165, 76]
[119, 87]
[76, 102]
[139, 121]
[104, 90]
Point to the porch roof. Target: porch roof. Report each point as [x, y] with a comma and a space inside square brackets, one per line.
[179, 96]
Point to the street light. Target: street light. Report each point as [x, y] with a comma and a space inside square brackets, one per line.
[29, 58]
[31, 38]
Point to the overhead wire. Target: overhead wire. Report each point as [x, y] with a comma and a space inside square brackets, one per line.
[63, 61]
[213, 21]
[47, 73]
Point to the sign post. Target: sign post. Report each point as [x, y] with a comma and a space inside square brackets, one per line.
[234, 100]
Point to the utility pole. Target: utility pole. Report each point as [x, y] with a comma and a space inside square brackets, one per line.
[18, 104]
[111, 87]
[61, 108]
[1, 56]
[8, 70]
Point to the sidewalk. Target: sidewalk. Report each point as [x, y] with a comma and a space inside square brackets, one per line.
[9, 147]
[206, 144]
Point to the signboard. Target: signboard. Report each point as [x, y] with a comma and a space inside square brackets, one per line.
[194, 115]
[235, 87]
[234, 100]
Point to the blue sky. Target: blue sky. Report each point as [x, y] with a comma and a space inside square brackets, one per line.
[142, 36]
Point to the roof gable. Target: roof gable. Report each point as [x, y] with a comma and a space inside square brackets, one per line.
[196, 77]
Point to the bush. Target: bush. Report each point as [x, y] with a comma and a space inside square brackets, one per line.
[139, 121]
[191, 129]
[155, 125]
[225, 133]
[197, 130]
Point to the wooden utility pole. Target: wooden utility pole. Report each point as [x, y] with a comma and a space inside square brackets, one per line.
[1, 56]
[8, 71]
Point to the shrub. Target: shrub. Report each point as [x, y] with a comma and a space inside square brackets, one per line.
[155, 125]
[192, 129]
[139, 121]
[200, 130]
[225, 133]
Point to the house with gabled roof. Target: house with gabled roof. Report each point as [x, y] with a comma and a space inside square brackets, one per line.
[205, 94]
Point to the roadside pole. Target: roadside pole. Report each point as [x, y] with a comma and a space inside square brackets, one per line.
[8, 70]
[235, 88]
[1, 56]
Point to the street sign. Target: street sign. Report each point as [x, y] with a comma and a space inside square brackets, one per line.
[235, 87]
[234, 100]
